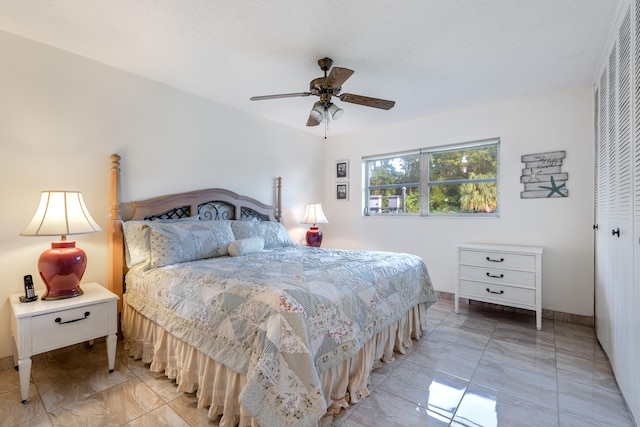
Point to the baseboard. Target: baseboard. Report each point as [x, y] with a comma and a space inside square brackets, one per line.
[546, 314]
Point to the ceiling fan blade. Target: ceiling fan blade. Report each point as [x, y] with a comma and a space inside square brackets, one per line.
[282, 95]
[367, 101]
[337, 76]
[312, 122]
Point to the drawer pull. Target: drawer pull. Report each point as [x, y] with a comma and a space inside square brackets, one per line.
[86, 314]
[495, 292]
[497, 276]
[495, 260]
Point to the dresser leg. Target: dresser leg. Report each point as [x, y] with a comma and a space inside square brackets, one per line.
[112, 341]
[24, 368]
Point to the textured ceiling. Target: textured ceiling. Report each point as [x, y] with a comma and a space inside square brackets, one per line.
[427, 55]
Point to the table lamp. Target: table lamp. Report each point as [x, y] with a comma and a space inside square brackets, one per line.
[61, 213]
[314, 215]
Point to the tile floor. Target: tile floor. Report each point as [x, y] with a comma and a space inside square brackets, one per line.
[476, 368]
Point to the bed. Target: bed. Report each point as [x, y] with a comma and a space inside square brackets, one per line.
[216, 295]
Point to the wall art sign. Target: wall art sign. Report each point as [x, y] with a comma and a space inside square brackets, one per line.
[542, 176]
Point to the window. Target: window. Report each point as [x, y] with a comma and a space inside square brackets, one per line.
[454, 180]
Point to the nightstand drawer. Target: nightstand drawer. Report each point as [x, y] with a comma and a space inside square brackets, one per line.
[71, 326]
[498, 276]
[498, 260]
[499, 294]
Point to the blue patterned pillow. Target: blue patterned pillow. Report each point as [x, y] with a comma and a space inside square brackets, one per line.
[273, 233]
[188, 241]
[136, 239]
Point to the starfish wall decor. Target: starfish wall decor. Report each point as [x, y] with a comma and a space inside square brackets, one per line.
[542, 176]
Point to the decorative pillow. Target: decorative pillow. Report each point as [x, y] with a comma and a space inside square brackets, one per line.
[245, 246]
[273, 234]
[136, 239]
[176, 242]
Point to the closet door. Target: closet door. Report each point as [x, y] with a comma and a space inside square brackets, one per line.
[634, 400]
[603, 288]
[622, 227]
[616, 208]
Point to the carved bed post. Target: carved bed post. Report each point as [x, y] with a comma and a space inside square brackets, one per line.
[116, 240]
[279, 199]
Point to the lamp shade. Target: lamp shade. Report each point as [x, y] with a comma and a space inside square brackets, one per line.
[61, 213]
[317, 113]
[335, 112]
[314, 215]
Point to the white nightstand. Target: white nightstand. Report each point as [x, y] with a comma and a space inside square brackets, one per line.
[42, 326]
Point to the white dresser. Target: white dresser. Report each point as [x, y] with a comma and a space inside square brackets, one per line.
[501, 274]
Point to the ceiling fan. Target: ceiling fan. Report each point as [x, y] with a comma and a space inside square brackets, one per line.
[326, 87]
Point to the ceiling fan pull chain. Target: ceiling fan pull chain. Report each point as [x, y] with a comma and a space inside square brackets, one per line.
[326, 127]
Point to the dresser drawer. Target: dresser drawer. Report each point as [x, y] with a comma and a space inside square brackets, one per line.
[499, 294]
[498, 260]
[71, 326]
[498, 276]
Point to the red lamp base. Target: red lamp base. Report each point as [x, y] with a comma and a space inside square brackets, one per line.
[61, 268]
[314, 237]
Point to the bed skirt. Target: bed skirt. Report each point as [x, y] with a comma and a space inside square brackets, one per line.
[218, 387]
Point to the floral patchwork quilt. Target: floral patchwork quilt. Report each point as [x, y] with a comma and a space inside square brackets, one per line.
[282, 316]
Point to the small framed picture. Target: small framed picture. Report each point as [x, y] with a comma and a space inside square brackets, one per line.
[342, 169]
[342, 191]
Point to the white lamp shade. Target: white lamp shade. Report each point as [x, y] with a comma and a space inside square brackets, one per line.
[314, 215]
[61, 213]
[317, 113]
[335, 112]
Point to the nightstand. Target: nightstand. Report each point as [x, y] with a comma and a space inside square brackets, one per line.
[42, 326]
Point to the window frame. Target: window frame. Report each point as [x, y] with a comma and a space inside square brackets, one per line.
[424, 184]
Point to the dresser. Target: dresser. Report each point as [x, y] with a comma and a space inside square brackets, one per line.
[508, 275]
[42, 326]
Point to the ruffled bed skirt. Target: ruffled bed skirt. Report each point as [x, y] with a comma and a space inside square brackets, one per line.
[218, 387]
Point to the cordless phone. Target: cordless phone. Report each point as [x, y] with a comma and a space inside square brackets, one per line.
[29, 292]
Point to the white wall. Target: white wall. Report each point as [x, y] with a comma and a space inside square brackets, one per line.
[557, 121]
[62, 115]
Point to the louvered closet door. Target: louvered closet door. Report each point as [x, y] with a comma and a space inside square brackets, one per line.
[623, 215]
[614, 238]
[634, 400]
[603, 299]
[617, 207]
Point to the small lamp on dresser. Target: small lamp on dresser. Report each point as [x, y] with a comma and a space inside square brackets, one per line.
[314, 215]
[61, 213]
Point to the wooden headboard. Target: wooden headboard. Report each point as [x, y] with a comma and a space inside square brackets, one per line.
[210, 204]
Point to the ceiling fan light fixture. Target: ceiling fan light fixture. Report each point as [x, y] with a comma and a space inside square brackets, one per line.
[317, 113]
[335, 112]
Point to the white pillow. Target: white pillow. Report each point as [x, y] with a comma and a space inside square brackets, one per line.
[245, 246]
[188, 241]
